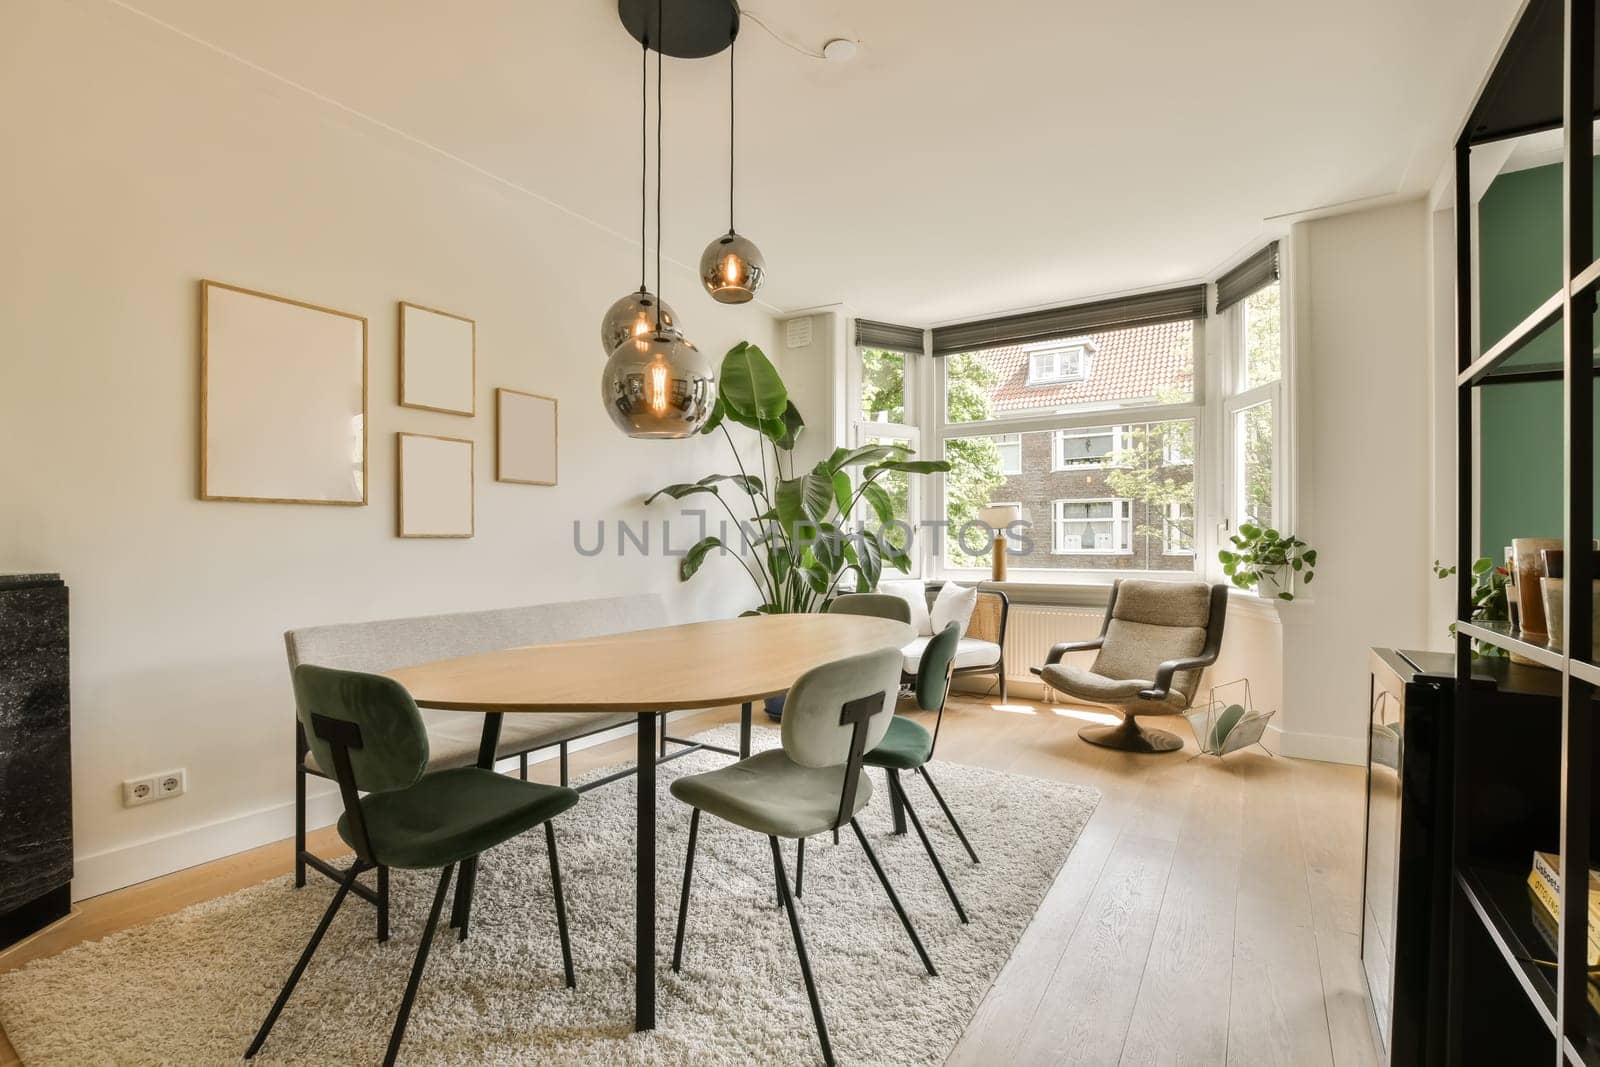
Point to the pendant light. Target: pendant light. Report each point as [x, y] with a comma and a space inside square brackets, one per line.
[633, 315]
[658, 385]
[732, 267]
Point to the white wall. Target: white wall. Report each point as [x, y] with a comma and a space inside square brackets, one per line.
[139, 162]
[1363, 466]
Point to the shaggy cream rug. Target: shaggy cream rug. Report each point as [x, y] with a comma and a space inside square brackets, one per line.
[192, 987]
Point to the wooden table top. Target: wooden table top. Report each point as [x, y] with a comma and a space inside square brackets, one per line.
[697, 665]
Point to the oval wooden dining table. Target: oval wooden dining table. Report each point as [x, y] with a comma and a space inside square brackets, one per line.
[648, 673]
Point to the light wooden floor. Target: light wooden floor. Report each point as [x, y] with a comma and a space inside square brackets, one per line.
[1209, 914]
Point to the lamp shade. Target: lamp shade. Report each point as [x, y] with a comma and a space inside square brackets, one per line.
[659, 386]
[732, 269]
[632, 316]
[999, 516]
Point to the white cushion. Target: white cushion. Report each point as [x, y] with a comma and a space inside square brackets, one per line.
[953, 604]
[970, 652]
[914, 593]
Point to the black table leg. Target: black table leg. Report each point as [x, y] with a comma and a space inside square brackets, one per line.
[461, 907]
[644, 990]
[744, 731]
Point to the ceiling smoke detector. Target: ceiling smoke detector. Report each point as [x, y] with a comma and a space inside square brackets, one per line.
[839, 50]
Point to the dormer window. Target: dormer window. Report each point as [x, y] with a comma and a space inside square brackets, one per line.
[1059, 365]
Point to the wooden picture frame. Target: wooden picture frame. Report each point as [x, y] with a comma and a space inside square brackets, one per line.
[527, 438]
[436, 486]
[438, 360]
[283, 400]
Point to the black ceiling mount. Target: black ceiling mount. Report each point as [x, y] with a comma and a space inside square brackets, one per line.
[694, 29]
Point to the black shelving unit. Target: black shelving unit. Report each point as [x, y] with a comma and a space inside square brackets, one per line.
[1528, 784]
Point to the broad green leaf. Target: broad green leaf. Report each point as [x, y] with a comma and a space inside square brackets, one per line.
[792, 425]
[829, 550]
[806, 498]
[751, 385]
[879, 500]
[910, 466]
[863, 552]
[845, 457]
[842, 492]
[681, 490]
[695, 557]
[748, 482]
[715, 418]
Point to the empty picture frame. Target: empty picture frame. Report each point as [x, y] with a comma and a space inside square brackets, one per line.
[525, 438]
[435, 497]
[283, 399]
[438, 360]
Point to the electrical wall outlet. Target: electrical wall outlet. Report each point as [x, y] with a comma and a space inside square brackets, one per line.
[163, 786]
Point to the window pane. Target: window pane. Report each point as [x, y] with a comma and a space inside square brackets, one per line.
[1253, 430]
[1144, 365]
[1112, 514]
[883, 386]
[1263, 336]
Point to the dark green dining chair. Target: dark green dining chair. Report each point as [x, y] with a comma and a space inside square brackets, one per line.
[833, 715]
[367, 728]
[877, 605]
[908, 746]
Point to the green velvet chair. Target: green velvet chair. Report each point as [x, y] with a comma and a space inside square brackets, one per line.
[368, 729]
[833, 715]
[877, 605]
[908, 746]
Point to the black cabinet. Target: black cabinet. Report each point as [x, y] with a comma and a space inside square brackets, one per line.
[35, 755]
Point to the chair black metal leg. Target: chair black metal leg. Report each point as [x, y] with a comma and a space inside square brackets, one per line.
[563, 765]
[800, 869]
[836, 835]
[948, 814]
[662, 744]
[561, 904]
[778, 882]
[461, 907]
[744, 730]
[1002, 674]
[905, 920]
[522, 765]
[305, 958]
[683, 900]
[399, 1033]
[383, 903]
[800, 947]
[897, 809]
[300, 749]
[927, 846]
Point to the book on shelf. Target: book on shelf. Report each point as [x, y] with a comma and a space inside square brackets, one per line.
[1544, 919]
[1547, 866]
[1545, 924]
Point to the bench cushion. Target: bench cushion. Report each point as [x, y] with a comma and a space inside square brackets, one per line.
[453, 736]
[970, 652]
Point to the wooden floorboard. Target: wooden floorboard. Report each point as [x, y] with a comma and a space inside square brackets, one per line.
[1207, 915]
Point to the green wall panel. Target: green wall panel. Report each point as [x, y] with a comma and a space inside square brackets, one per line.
[1519, 254]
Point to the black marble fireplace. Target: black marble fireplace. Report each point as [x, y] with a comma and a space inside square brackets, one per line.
[35, 755]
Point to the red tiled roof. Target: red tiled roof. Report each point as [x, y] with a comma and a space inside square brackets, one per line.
[1127, 365]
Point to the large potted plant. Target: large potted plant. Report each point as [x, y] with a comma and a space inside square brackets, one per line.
[794, 531]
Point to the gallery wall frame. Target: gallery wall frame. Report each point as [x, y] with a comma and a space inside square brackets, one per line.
[526, 438]
[436, 486]
[438, 360]
[283, 400]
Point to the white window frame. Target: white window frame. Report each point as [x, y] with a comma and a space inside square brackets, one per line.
[1058, 462]
[863, 431]
[1173, 513]
[1017, 440]
[1121, 519]
[1060, 376]
[1240, 399]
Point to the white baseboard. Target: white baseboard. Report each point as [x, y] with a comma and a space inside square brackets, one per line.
[125, 865]
[1325, 748]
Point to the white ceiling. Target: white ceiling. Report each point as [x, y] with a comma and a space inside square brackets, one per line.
[973, 157]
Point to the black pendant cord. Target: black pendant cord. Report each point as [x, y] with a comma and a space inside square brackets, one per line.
[660, 150]
[731, 43]
[644, 156]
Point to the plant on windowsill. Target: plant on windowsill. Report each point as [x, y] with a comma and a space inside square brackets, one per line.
[1268, 562]
[1489, 602]
[798, 530]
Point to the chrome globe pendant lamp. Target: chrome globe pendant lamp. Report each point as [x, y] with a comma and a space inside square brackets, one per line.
[732, 268]
[634, 315]
[658, 385]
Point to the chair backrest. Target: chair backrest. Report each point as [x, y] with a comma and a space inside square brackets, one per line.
[933, 670]
[877, 605]
[834, 714]
[1149, 622]
[365, 724]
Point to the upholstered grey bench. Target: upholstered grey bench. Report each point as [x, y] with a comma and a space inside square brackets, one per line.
[453, 736]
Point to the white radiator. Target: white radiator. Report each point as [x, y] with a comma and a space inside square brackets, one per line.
[1032, 629]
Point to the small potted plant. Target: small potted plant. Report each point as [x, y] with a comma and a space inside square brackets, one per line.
[1489, 601]
[1268, 562]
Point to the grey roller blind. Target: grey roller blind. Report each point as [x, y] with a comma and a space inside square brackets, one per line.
[1146, 309]
[888, 336]
[1259, 270]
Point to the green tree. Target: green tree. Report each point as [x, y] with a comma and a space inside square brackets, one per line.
[1156, 469]
[974, 472]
